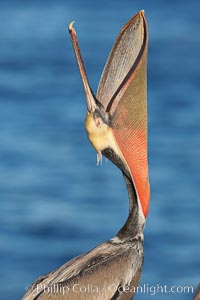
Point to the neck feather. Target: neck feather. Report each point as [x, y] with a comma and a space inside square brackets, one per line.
[134, 224]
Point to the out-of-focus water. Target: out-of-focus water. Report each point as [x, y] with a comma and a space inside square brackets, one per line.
[55, 202]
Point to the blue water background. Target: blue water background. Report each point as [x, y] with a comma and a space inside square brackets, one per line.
[55, 203]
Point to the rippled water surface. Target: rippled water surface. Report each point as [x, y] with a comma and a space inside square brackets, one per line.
[55, 202]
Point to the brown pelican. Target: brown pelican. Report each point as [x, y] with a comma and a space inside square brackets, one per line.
[116, 124]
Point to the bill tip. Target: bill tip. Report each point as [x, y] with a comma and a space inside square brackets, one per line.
[70, 26]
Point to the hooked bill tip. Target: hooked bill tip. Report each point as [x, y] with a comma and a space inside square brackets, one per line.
[70, 26]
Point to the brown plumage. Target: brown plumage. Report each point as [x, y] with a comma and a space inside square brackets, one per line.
[116, 124]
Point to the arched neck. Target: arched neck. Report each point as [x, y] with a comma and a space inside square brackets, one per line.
[134, 224]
